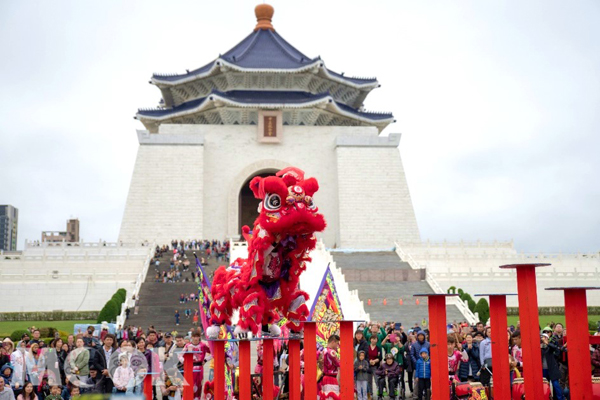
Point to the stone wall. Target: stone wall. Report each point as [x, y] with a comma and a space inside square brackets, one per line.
[166, 195]
[212, 162]
[68, 278]
[374, 201]
[474, 267]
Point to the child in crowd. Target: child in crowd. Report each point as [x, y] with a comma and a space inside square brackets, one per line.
[75, 393]
[55, 390]
[124, 376]
[361, 369]
[423, 374]
[330, 387]
[388, 371]
[7, 373]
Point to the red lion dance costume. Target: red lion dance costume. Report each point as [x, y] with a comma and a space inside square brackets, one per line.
[265, 285]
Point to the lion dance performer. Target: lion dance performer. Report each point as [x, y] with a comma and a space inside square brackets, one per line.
[264, 286]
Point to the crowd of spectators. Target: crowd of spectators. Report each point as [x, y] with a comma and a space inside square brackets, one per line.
[89, 363]
[394, 361]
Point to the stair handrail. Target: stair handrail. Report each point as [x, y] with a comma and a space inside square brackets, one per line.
[407, 258]
[457, 301]
[130, 299]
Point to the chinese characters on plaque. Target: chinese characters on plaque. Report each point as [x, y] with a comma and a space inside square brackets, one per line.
[270, 126]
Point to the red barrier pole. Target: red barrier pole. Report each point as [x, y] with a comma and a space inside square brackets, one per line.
[310, 360]
[439, 352]
[219, 365]
[579, 359]
[148, 387]
[188, 376]
[294, 369]
[530, 329]
[346, 360]
[500, 364]
[244, 377]
[267, 370]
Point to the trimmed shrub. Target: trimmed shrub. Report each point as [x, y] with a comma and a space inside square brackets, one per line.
[123, 293]
[48, 316]
[47, 332]
[483, 309]
[465, 297]
[472, 305]
[452, 290]
[16, 335]
[558, 310]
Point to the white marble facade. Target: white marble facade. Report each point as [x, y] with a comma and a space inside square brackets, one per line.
[187, 179]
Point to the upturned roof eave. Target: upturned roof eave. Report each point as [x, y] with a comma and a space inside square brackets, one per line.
[218, 64]
[325, 100]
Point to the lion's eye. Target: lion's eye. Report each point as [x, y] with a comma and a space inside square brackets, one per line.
[272, 202]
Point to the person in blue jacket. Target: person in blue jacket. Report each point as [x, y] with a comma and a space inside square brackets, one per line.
[423, 375]
[417, 346]
[468, 370]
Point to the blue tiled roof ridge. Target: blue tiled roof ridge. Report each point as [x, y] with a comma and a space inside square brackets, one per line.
[275, 54]
[278, 39]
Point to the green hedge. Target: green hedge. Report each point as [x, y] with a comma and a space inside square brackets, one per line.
[49, 316]
[18, 334]
[112, 308]
[551, 311]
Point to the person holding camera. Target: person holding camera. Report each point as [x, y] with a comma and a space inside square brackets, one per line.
[550, 366]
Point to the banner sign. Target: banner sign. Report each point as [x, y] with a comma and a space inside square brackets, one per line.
[326, 307]
[204, 301]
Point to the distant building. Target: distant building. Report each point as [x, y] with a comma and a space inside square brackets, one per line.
[9, 220]
[71, 235]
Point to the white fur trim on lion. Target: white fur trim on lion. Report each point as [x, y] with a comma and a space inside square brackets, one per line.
[274, 330]
[297, 302]
[212, 332]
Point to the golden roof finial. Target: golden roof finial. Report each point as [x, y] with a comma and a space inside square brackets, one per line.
[264, 14]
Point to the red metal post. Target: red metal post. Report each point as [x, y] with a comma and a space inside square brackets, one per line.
[244, 377]
[148, 387]
[267, 370]
[580, 369]
[500, 347]
[346, 360]
[188, 376]
[439, 352]
[219, 366]
[310, 360]
[530, 329]
[294, 369]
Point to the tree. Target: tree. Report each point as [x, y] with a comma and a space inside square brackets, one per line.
[472, 305]
[483, 309]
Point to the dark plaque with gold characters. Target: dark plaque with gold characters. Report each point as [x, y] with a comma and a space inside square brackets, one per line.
[270, 126]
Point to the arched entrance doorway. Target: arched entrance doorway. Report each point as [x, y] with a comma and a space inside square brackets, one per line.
[248, 205]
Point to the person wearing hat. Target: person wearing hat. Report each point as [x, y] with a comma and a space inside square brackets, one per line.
[549, 364]
[420, 344]
[423, 374]
[392, 345]
[361, 370]
[388, 371]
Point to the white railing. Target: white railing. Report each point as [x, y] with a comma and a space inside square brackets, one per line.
[462, 243]
[130, 297]
[99, 244]
[462, 307]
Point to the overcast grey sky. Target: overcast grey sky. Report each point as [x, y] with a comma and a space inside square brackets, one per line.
[497, 103]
